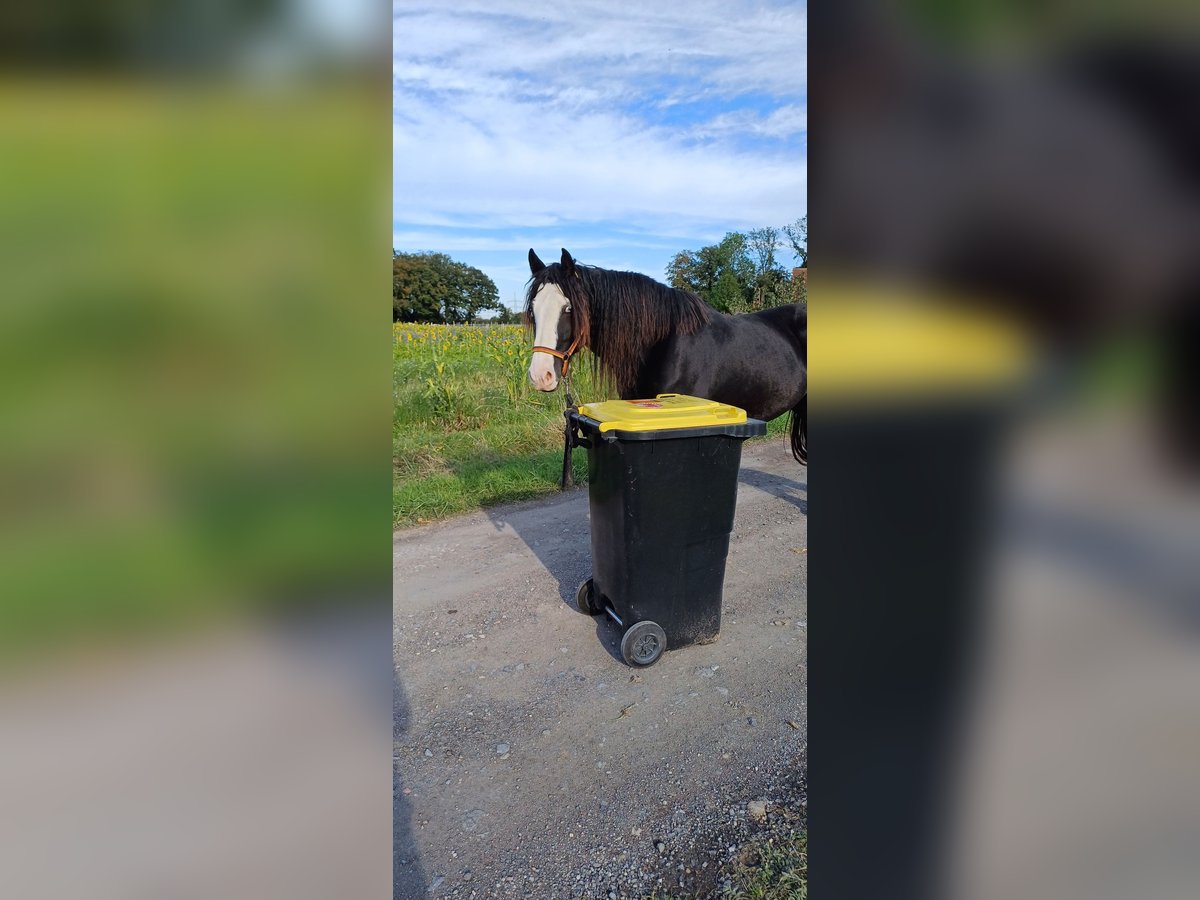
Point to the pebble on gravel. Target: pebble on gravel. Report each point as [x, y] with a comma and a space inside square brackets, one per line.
[502, 749]
[757, 810]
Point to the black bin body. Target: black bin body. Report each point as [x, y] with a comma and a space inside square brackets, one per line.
[906, 545]
[662, 505]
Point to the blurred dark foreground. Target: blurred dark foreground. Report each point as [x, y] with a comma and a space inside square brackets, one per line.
[1004, 692]
[194, 509]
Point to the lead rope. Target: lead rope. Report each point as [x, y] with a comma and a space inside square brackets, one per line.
[568, 476]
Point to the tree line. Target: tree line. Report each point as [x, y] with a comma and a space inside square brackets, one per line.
[739, 274]
[743, 272]
[431, 287]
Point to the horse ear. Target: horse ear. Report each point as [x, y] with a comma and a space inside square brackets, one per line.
[567, 262]
[535, 264]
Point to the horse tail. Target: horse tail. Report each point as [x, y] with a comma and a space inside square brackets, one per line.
[799, 431]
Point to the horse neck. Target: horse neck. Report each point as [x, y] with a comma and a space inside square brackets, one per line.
[625, 355]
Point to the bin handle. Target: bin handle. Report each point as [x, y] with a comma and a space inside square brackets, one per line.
[578, 438]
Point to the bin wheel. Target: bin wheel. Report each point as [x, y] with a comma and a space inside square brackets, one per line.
[585, 598]
[643, 644]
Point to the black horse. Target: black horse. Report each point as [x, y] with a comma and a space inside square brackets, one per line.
[648, 338]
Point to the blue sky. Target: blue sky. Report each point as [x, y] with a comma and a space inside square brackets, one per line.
[623, 131]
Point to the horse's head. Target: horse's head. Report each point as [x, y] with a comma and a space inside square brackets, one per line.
[554, 308]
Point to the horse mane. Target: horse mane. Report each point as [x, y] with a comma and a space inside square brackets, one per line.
[620, 316]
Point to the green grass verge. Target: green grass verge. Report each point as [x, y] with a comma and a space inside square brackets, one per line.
[767, 868]
[772, 869]
[468, 430]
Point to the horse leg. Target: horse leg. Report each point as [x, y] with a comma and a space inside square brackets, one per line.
[799, 431]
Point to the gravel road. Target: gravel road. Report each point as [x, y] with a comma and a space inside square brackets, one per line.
[530, 761]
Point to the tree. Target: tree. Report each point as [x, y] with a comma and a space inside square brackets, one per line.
[740, 274]
[431, 287]
[762, 243]
[418, 290]
[772, 286]
[505, 317]
[797, 235]
[722, 274]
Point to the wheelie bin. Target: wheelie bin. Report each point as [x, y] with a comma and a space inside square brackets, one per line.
[662, 485]
[913, 396]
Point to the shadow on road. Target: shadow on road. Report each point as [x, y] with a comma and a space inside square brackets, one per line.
[558, 533]
[1156, 569]
[793, 492]
[408, 876]
[347, 648]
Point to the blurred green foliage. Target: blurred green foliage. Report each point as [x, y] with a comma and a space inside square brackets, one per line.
[193, 391]
[1013, 24]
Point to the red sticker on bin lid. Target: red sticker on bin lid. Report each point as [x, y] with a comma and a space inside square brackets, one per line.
[646, 404]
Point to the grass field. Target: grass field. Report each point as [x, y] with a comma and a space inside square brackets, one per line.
[468, 429]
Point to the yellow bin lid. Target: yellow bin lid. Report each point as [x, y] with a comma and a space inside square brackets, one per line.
[664, 412]
[891, 342]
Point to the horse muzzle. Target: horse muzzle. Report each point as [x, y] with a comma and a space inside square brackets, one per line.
[542, 374]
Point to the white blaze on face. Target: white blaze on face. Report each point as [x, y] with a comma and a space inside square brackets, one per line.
[548, 306]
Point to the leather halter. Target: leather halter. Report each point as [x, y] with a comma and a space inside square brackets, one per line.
[559, 354]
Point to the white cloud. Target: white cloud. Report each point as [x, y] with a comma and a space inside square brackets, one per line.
[531, 115]
[584, 174]
[782, 122]
[732, 45]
